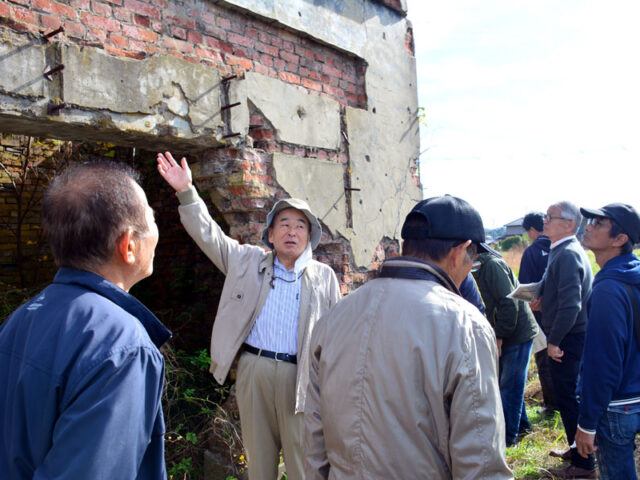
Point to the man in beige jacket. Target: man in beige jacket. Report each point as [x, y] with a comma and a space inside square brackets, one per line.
[403, 380]
[268, 308]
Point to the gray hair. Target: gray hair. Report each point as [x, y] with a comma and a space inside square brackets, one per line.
[570, 211]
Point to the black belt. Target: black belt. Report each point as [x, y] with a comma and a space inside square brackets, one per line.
[282, 357]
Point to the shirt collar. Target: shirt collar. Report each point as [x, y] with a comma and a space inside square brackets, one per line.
[562, 240]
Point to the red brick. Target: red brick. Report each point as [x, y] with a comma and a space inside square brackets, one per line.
[314, 75]
[96, 35]
[49, 22]
[179, 32]
[261, 69]
[276, 42]
[263, 47]
[289, 77]
[213, 43]
[101, 9]
[289, 57]
[223, 23]
[251, 33]
[239, 61]
[160, 3]
[194, 37]
[261, 134]
[142, 8]
[141, 34]
[73, 29]
[348, 78]
[329, 70]
[208, 17]
[288, 46]
[240, 40]
[310, 84]
[266, 60]
[137, 46]
[107, 24]
[124, 53]
[5, 10]
[173, 44]
[240, 52]
[320, 57]
[264, 37]
[118, 40]
[142, 21]
[115, 2]
[206, 53]
[183, 22]
[278, 63]
[336, 92]
[226, 47]
[348, 87]
[122, 14]
[80, 4]
[25, 16]
[21, 2]
[303, 72]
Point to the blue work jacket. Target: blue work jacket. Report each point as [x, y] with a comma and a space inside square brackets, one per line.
[82, 379]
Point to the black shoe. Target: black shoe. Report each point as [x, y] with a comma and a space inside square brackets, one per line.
[573, 472]
[564, 455]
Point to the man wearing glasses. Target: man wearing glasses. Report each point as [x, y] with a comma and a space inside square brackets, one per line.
[565, 289]
[403, 377]
[270, 303]
[610, 378]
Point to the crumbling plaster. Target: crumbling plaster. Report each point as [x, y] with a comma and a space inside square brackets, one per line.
[161, 101]
[383, 140]
[164, 102]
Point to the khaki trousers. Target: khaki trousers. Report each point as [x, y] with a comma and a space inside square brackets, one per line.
[266, 393]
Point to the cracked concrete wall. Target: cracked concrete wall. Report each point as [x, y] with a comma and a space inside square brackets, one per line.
[384, 139]
[122, 100]
[319, 182]
[296, 116]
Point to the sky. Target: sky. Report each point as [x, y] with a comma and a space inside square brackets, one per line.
[529, 102]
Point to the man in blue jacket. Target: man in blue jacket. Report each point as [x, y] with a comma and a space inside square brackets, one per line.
[610, 381]
[565, 289]
[532, 267]
[80, 368]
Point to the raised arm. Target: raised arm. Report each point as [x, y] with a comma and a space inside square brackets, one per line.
[179, 177]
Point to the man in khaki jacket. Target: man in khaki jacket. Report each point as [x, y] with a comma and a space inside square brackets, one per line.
[268, 308]
[403, 380]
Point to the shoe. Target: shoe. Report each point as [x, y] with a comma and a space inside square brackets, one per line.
[548, 410]
[573, 472]
[566, 455]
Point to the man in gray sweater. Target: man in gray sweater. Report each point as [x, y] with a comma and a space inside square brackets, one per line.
[565, 289]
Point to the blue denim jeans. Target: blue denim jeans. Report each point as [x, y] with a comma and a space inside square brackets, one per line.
[615, 437]
[514, 363]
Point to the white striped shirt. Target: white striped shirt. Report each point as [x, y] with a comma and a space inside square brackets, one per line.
[276, 327]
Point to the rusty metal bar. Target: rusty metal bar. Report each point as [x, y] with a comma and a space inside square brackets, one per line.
[352, 189]
[53, 71]
[229, 135]
[226, 79]
[227, 107]
[53, 34]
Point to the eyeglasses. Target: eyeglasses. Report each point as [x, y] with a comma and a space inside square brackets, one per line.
[597, 222]
[548, 218]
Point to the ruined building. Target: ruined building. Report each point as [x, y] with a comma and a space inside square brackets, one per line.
[315, 99]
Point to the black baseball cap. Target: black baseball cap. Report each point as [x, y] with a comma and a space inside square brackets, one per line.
[448, 218]
[621, 213]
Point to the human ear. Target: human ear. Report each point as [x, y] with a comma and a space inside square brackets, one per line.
[126, 247]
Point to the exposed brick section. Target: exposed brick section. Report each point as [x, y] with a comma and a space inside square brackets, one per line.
[200, 32]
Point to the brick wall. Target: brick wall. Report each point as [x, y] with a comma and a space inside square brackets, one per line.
[201, 31]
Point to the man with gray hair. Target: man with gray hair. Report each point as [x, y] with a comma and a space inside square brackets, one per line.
[565, 289]
[80, 368]
[270, 303]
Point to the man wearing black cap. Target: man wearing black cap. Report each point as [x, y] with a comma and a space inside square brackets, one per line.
[610, 381]
[268, 308]
[403, 378]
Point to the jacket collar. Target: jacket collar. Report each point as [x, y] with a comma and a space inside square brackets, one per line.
[416, 269]
[157, 332]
